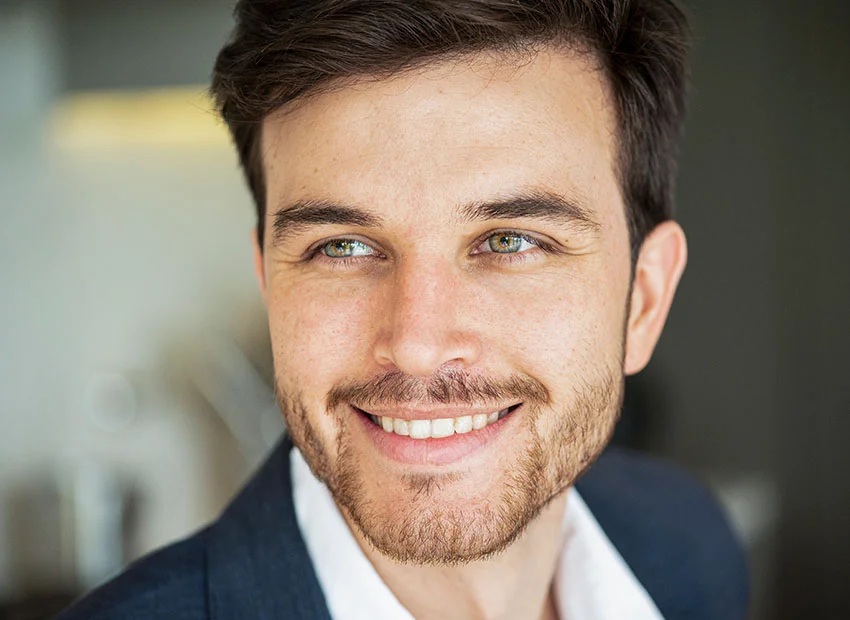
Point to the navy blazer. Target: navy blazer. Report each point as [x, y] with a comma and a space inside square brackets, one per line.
[252, 563]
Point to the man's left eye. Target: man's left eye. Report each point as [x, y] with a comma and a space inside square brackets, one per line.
[509, 243]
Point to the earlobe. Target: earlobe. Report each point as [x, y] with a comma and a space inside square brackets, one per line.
[659, 267]
[259, 266]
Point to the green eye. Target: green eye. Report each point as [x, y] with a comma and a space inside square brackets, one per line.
[345, 248]
[508, 243]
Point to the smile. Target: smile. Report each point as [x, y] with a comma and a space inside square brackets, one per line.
[438, 428]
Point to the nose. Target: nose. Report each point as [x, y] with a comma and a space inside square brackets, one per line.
[427, 316]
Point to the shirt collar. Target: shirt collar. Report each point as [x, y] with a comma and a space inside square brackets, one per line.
[592, 580]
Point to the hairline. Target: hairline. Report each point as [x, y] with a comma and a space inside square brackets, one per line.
[519, 54]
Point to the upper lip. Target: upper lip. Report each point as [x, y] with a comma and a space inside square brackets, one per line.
[407, 413]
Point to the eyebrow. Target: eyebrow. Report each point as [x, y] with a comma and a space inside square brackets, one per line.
[537, 205]
[306, 214]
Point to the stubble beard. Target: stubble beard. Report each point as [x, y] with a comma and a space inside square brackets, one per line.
[415, 528]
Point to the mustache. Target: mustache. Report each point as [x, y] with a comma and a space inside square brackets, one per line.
[396, 388]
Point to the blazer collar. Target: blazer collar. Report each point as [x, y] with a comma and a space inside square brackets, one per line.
[256, 558]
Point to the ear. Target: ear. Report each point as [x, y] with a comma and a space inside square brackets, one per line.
[659, 266]
[259, 265]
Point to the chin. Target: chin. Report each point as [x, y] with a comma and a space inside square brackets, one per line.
[443, 517]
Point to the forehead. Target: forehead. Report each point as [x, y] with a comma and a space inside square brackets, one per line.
[450, 134]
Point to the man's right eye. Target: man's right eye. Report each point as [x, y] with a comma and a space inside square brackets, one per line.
[345, 248]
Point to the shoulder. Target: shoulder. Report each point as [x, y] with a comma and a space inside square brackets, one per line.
[167, 584]
[671, 532]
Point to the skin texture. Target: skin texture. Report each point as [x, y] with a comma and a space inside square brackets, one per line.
[427, 301]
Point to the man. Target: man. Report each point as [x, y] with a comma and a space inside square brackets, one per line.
[464, 244]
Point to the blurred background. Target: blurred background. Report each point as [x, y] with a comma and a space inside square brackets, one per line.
[134, 361]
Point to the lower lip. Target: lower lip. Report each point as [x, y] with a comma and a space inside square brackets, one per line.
[443, 451]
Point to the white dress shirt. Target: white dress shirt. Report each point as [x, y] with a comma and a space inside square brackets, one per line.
[592, 581]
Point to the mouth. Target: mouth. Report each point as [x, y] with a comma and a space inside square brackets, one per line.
[422, 439]
[438, 428]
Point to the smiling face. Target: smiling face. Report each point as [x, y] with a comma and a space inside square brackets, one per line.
[447, 274]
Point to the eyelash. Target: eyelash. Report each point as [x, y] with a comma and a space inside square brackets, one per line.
[316, 254]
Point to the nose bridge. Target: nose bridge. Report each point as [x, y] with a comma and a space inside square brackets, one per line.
[425, 316]
[422, 284]
[424, 289]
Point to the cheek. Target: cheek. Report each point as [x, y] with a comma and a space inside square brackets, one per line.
[558, 328]
[317, 334]
[569, 335]
[318, 339]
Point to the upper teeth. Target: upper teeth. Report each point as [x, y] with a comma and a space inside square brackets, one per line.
[442, 427]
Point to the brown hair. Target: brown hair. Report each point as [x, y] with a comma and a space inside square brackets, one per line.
[285, 50]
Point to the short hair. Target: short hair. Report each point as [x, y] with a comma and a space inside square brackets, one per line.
[287, 50]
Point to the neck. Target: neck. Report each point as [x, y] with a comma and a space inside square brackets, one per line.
[515, 584]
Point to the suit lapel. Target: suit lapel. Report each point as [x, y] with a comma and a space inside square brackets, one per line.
[257, 564]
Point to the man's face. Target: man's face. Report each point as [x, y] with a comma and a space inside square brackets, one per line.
[444, 245]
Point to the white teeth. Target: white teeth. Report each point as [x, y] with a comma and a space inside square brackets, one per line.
[463, 424]
[420, 429]
[401, 427]
[442, 428]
